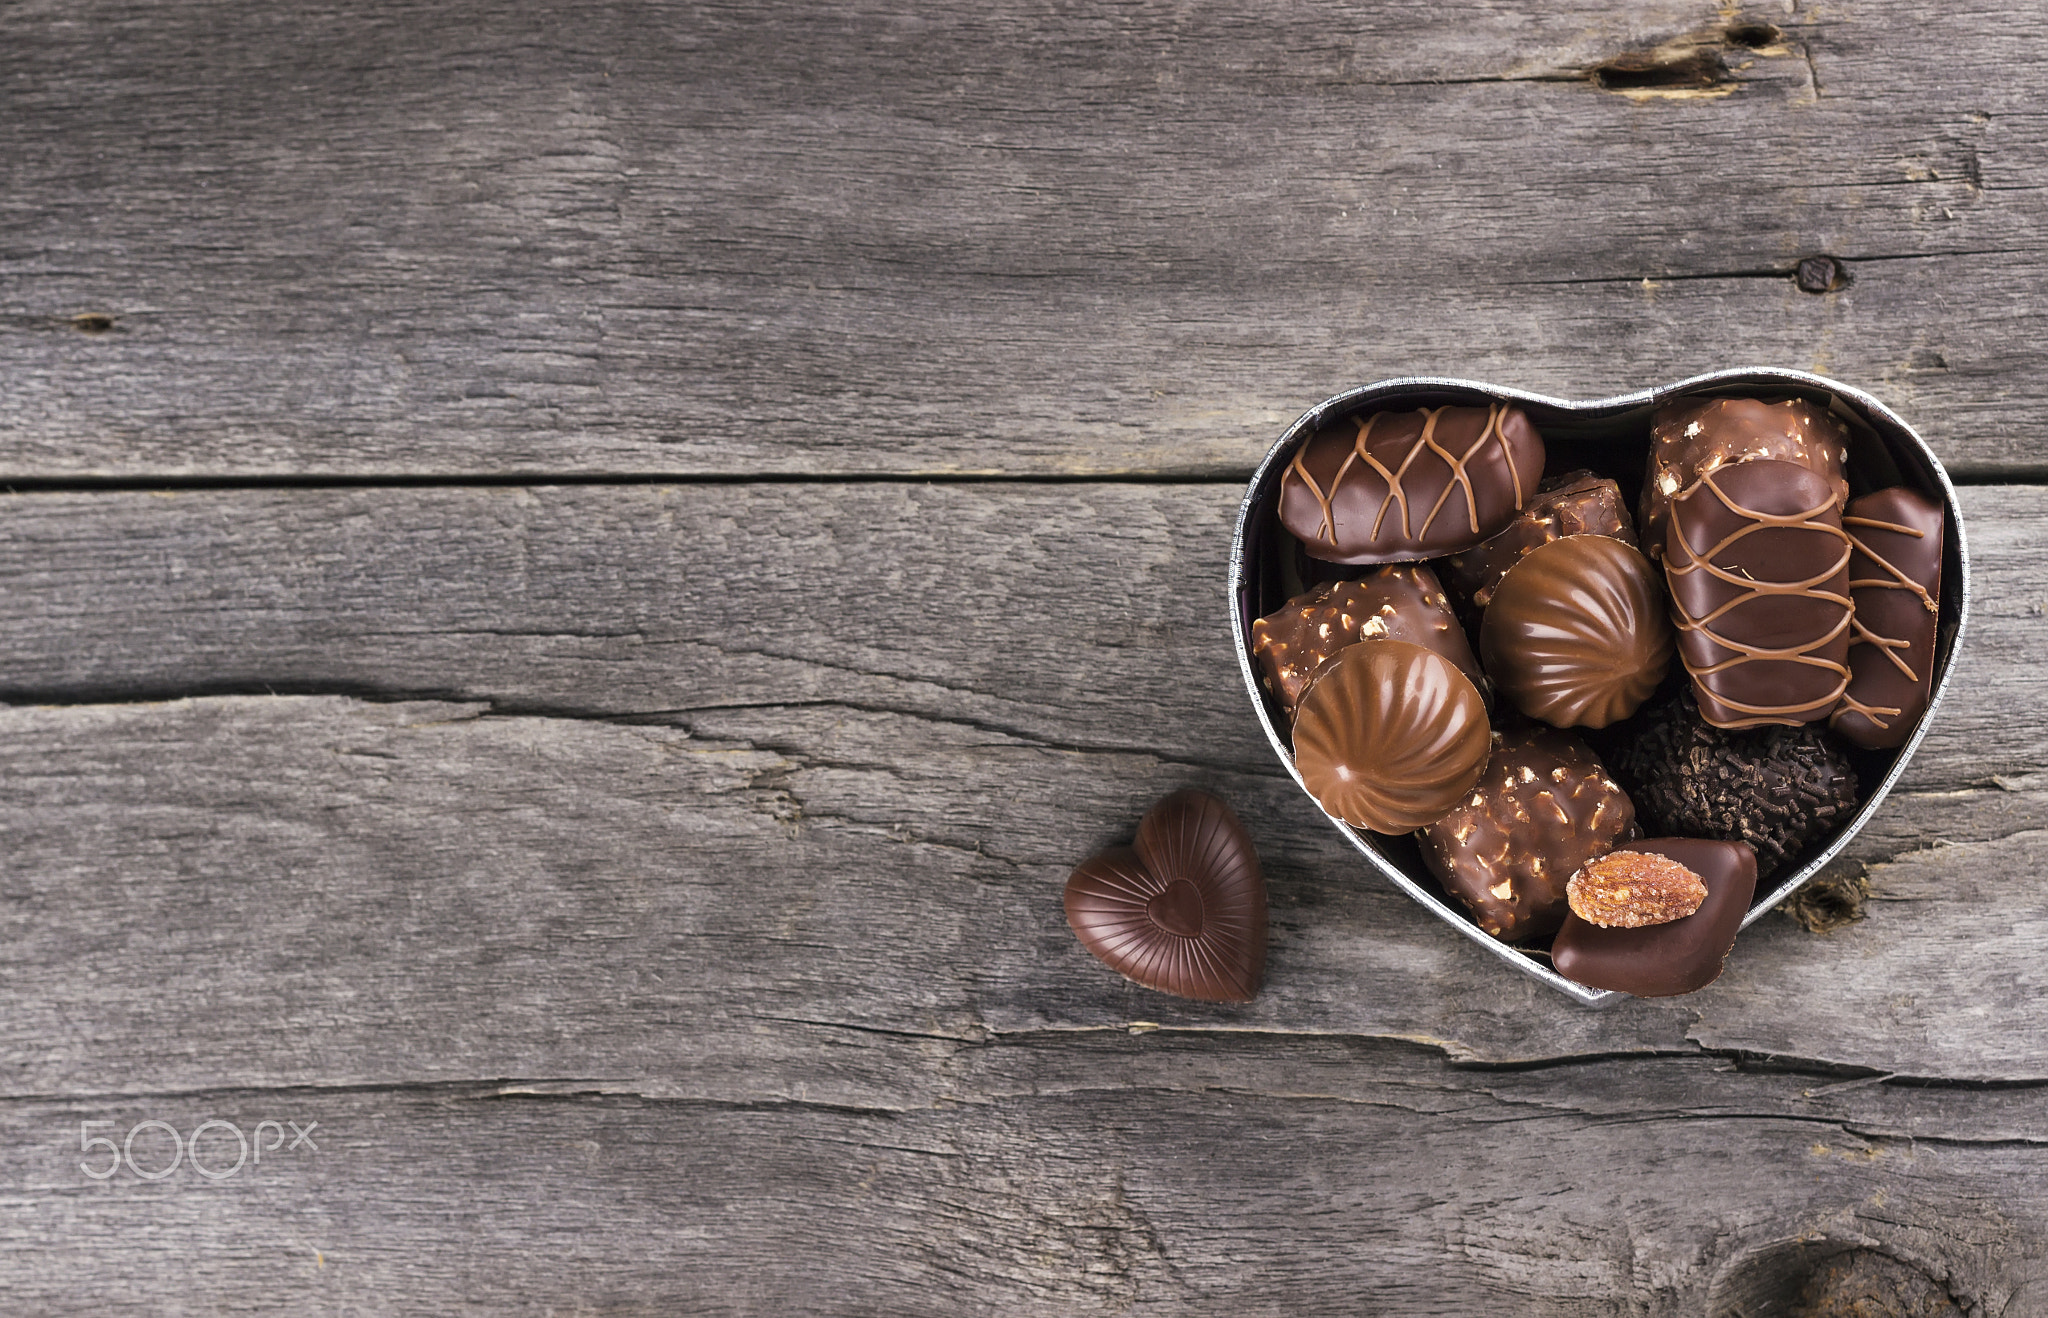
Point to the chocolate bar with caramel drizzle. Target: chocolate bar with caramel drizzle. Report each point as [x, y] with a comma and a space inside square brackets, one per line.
[1758, 566]
[1895, 579]
[1398, 487]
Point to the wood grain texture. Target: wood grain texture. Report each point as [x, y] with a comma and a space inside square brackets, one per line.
[758, 801]
[1115, 1175]
[677, 239]
[652, 893]
[1087, 617]
[309, 890]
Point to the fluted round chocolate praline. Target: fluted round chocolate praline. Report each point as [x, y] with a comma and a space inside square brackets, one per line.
[1391, 736]
[1576, 634]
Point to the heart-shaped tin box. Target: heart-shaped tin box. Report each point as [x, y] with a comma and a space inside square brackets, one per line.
[1610, 436]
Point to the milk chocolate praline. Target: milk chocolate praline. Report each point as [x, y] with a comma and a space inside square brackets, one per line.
[1576, 634]
[1542, 808]
[1399, 603]
[1681, 956]
[1390, 737]
[1576, 503]
[1392, 487]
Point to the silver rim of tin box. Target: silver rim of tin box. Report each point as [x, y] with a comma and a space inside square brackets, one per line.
[1586, 423]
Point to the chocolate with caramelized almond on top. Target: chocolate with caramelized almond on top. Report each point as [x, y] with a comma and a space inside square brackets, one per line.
[1676, 956]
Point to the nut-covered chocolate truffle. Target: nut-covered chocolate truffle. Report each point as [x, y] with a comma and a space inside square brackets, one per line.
[1398, 603]
[1895, 579]
[1576, 503]
[1775, 788]
[1184, 910]
[1695, 437]
[1576, 634]
[1758, 568]
[1678, 956]
[1390, 737]
[1542, 808]
[1392, 487]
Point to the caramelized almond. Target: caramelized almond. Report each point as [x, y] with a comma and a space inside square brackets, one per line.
[1630, 889]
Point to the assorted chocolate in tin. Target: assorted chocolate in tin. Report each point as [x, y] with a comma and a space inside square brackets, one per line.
[1790, 555]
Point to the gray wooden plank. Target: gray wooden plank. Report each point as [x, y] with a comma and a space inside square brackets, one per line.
[685, 239]
[1088, 616]
[1148, 1175]
[264, 892]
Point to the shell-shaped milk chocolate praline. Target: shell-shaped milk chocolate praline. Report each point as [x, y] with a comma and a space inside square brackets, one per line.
[1398, 603]
[1576, 634]
[1395, 487]
[1758, 567]
[1390, 737]
[1543, 807]
[1183, 910]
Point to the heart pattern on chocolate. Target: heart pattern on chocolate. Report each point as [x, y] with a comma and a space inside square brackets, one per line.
[1183, 909]
[1610, 438]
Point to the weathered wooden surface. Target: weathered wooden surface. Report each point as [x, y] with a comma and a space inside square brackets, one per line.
[651, 889]
[1019, 237]
[1084, 616]
[842, 916]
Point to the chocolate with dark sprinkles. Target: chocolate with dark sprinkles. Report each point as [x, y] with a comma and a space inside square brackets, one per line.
[1777, 788]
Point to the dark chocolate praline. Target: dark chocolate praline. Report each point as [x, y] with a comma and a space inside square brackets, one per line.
[1695, 437]
[1758, 568]
[1895, 579]
[1776, 788]
[1681, 956]
[1394, 487]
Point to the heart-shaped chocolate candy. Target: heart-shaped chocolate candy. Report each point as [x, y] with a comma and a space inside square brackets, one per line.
[1182, 911]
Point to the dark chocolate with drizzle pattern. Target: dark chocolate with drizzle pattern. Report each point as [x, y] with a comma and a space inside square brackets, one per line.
[1895, 579]
[1395, 487]
[1758, 566]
